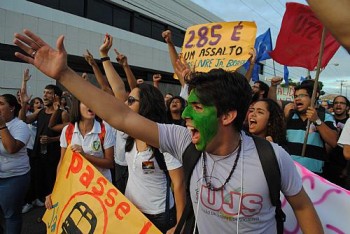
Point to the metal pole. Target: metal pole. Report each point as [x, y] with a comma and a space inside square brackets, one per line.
[341, 87]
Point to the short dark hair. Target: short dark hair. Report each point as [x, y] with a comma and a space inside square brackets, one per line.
[226, 90]
[264, 87]
[13, 102]
[55, 89]
[308, 85]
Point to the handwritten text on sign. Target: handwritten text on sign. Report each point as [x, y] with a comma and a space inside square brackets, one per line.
[86, 202]
[223, 45]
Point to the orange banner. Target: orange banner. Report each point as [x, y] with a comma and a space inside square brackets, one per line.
[86, 202]
[223, 45]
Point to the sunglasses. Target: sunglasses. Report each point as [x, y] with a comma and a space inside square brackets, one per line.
[131, 100]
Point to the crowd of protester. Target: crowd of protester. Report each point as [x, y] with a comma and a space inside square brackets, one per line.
[220, 109]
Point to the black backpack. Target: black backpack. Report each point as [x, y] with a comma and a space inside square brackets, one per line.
[272, 174]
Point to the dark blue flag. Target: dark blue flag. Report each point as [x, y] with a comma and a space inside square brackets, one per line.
[263, 45]
[286, 75]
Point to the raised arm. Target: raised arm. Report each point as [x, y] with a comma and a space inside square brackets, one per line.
[113, 77]
[252, 59]
[275, 81]
[123, 60]
[53, 63]
[22, 115]
[167, 35]
[101, 80]
[156, 79]
[53, 125]
[26, 78]
[335, 16]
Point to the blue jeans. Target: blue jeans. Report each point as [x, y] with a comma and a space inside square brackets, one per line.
[12, 193]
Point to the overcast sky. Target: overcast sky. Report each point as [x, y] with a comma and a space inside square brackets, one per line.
[269, 14]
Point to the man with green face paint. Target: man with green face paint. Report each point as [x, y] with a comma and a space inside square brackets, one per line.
[205, 121]
[228, 188]
[216, 109]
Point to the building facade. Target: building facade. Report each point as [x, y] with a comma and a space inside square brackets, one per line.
[135, 25]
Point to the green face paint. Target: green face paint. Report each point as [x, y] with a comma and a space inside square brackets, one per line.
[204, 120]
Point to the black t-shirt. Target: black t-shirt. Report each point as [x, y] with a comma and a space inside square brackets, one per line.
[53, 149]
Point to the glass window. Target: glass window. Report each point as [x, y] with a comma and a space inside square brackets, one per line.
[99, 11]
[75, 7]
[142, 26]
[122, 18]
[177, 35]
[157, 29]
[49, 3]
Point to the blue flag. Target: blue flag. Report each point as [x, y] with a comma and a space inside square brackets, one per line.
[263, 45]
[286, 75]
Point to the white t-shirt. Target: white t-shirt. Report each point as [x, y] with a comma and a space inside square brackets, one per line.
[344, 138]
[91, 143]
[147, 187]
[218, 211]
[18, 163]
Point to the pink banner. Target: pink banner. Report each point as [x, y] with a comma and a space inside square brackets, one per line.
[331, 202]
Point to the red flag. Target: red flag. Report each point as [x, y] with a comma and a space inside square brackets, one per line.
[299, 40]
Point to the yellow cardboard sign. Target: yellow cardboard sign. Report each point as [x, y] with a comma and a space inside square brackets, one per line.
[223, 45]
[86, 202]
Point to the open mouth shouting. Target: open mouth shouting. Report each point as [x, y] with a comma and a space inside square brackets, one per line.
[195, 134]
[300, 106]
[252, 123]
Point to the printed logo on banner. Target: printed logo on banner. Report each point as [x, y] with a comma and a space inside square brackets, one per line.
[86, 202]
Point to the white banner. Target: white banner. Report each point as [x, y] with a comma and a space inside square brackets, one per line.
[331, 202]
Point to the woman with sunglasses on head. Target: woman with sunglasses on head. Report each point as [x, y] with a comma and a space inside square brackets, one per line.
[14, 165]
[92, 139]
[147, 186]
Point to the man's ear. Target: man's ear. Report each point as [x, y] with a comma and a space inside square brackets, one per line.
[229, 117]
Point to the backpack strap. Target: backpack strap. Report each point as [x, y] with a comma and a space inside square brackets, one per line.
[69, 133]
[161, 163]
[190, 158]
[272, 174]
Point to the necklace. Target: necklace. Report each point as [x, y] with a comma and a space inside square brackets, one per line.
[208, 183]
